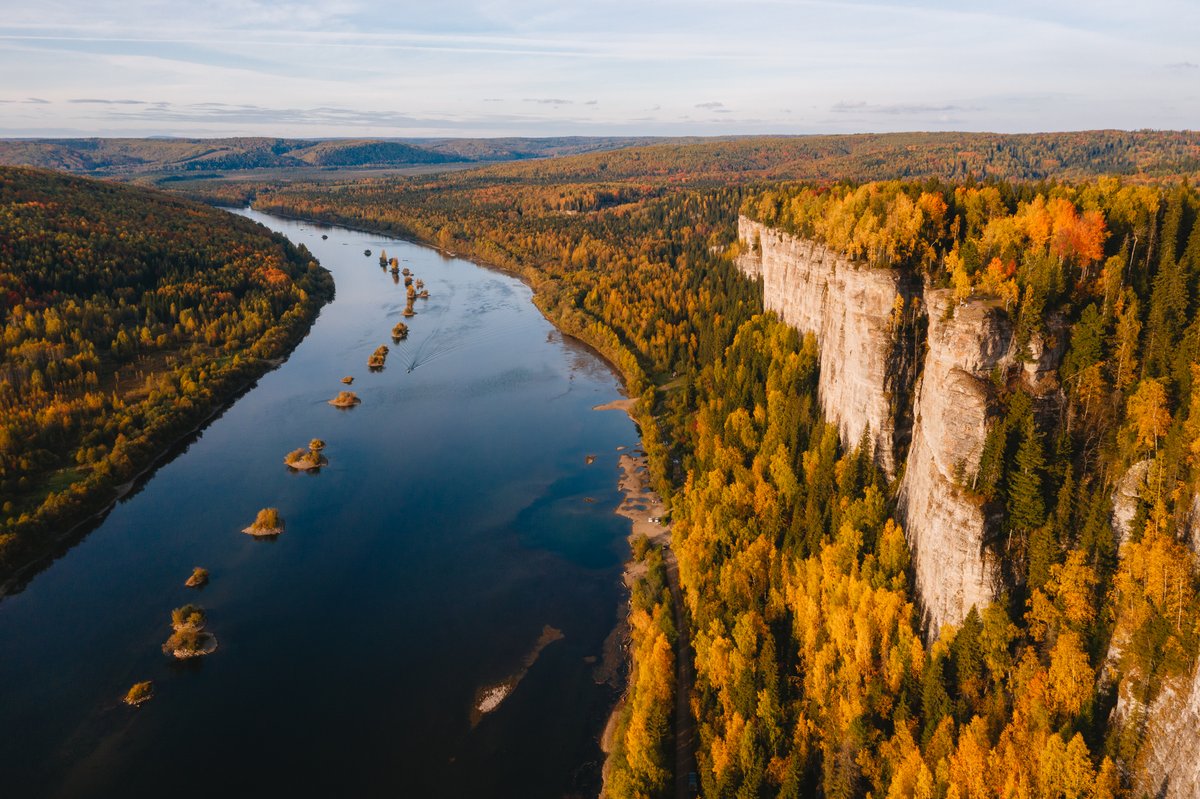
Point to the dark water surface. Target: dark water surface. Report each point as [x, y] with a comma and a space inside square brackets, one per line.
[419, 567]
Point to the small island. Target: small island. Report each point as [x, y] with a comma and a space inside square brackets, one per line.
[345, 399]
[198, 579]
[347, 379]
[420, 284]
[189, 639]
[139, 693]
[378, 358]
[367, 253]
[424, 294]
[399, 332]
[407, 271]
[266, 524]
[303, 460]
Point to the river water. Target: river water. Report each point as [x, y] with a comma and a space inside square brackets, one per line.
[456, 521]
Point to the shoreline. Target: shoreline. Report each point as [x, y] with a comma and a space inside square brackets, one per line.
[639, 505]
[24, 574]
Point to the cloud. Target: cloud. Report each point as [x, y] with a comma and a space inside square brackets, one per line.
[256, 114]
[208, 114]
[36, 101]
[286, 60]
[98, 101]
[897, 109]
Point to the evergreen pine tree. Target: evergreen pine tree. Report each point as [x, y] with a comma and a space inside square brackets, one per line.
[1026, 507]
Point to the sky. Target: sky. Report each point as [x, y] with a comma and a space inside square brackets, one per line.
[577, 67]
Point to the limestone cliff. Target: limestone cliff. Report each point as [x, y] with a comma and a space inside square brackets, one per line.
[868, 364]
[1167, 728]
[1169, 760]
[946, 526]
[855, 313]
[868, 381]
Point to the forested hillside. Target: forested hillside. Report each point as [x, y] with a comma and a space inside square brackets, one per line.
[128, 317]
[814, 674]
[128, 158]
[952, 156]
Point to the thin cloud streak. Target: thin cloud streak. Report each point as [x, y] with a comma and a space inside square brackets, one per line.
[312, 67]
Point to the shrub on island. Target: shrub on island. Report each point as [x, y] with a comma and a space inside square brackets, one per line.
[306, 459]
[199, 578]
[345, 399]
[189, 642]
[139, 693]
[378, 357]
[188, 617]
[268, 522]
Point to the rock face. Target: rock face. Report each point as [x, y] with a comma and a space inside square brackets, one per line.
[864, 381]
[946, 526]
[1125, 500]
[1170, 752]
[869, 356]
[1168, 729]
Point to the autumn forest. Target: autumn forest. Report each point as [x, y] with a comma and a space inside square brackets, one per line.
[130, 315]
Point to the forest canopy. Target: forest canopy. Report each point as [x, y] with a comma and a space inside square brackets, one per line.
[127, 317]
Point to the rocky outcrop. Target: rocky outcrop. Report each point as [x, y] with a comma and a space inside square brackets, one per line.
[1126, 497]
[1167, 728]
[970, 346]
[1169, 760]
[869, 324]
[855, 313]
[947, 527]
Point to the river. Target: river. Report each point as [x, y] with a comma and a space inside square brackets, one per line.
[456, 521]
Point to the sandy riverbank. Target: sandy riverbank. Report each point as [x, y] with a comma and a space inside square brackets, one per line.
[625, 404]
[639, 505]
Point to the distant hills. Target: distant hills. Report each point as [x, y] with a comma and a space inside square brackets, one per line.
[130, 157]
[1145, 155]
[1072, 155]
